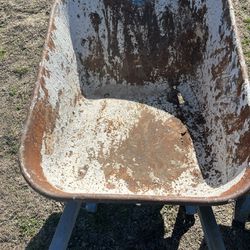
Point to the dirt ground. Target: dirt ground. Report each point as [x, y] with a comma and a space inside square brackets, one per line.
[27, 220]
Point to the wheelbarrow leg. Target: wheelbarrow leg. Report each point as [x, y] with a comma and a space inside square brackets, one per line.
[242, 211]
[191, 210]
[91, 207]
[65, 226]
[210, 228]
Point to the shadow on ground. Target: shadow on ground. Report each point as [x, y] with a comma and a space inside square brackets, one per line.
[234, 239]
[130, 227]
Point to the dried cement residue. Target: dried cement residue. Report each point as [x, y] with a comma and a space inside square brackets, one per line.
[94, 124]
[95, 127]
[186, 185]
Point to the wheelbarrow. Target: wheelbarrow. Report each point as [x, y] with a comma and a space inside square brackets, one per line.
[140, 101]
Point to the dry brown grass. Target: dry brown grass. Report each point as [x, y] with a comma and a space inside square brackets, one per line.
[29, 220]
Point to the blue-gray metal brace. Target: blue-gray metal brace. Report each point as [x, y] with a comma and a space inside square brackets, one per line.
[191, 210]
[210, 228]
[65, 226]
[242, 209]
[209, 225]
[67, 222]
[91, 207]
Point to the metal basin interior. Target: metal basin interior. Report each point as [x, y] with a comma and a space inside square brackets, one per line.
[140, 100]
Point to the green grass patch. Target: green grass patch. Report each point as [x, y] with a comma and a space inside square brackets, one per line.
[18, 108]
[28, 227]
[247, 54]
[21, 71]
[246, 41]
[12, 144]
[247, 20]
[2, 53]
[13, 91]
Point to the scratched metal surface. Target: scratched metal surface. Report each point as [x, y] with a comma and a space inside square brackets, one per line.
[140, 100]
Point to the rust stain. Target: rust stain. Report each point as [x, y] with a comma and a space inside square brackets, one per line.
[77, 98]
[45, 72]
[242, 153]
[51, 43]
[53, 26]
[43, 86]
[153, 56]
[165, 156]
[46, 55]
[96, 21]
[234, 123]
[42, 120]
[219, 68]
[240, 81]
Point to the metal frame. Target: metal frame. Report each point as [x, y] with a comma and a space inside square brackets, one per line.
[91, 207]
[67, 221]
[65, 226]
[191, 210]
[242, 211]
[210, 228]
[209, 225]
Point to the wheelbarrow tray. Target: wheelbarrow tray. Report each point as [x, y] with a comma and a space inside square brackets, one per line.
[140, 101]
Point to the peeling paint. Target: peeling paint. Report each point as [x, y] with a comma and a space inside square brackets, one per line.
[147, 99]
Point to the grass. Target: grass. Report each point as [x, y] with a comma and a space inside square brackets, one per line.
[35, 218]
[247, 20]
[13, 91]
[246, 45]
[21, 71]
[247, 55]
[2, 54]
[18, 108]
[12, 144]
[246, 41]
[28, 227]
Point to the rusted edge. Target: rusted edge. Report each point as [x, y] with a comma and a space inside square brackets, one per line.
[27, 123]
[232, 194]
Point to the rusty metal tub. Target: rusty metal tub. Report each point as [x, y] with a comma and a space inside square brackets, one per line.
[140, 101]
